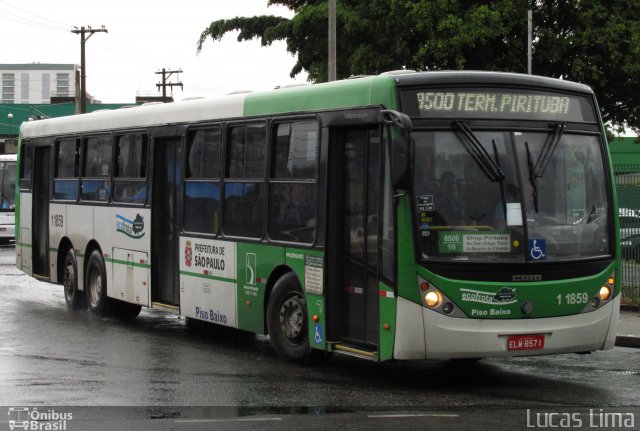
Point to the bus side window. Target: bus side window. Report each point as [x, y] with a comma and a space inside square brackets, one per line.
[65, 182]
[202, 181]
[243, 213]
[26, 166]
[130, 169]
[96, 169]
[293, 183]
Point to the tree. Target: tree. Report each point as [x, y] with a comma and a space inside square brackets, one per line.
[596, 42]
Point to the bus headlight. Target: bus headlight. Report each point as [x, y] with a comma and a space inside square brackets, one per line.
[432, 299]
[605, 293]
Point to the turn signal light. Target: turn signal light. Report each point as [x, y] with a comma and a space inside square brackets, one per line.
[611, 281]
[605, 293]
[424, 286]
[432, 299]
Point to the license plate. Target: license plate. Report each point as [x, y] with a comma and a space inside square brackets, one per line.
[525, 342]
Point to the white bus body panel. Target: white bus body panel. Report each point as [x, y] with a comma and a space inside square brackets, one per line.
[409, 340]
[113, 229]
[208, 285]
[425, 334]
[23, 258]
[57, 231]
[447, 337]
[131, 279]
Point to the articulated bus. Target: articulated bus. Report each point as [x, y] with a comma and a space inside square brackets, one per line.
[7, 197]
[401, 216]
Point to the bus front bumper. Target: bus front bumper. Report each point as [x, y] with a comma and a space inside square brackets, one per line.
[424, 334]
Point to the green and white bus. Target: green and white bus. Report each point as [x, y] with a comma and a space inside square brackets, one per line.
[7, 197]
[401, 216]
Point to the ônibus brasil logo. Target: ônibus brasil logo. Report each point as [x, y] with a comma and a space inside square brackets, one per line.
[25, 418]
[132, 228]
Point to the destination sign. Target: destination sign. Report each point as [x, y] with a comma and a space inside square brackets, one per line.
[490, 103]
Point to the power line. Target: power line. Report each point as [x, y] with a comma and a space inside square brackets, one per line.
[32, 24]
[67, 26]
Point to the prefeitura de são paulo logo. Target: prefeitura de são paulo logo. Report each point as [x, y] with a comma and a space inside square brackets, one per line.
[188, 254]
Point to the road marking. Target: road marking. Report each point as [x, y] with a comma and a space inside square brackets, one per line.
[414, 415]
[195, 421]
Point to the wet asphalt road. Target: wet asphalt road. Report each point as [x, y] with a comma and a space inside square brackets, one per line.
[179, 377]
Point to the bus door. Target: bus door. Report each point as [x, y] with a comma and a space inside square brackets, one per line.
[164, 231]
[40, 215]
[354, 198]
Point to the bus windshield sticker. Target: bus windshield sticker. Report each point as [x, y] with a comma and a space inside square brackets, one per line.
[313, 274]
[474, 242]
[514, 214]
[425, 203]
[537, 249]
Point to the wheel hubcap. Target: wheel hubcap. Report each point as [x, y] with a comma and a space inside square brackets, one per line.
[96, 287]
[69, 276]
[292, 317]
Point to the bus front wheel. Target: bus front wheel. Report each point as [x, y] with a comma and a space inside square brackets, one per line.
[287, 322]
[72, 296]
[96, 285]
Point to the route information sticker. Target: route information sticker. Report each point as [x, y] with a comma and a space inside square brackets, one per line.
[474, 242]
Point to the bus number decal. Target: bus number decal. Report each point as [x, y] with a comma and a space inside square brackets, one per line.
[57, 220]
[573, 298]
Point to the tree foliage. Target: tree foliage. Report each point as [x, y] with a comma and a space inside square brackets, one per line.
[596, 42]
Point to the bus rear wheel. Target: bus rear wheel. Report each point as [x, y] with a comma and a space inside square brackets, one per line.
[288, 324]
[72, 296]
[96, 290]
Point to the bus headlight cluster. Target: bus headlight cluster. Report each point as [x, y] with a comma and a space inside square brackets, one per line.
[433, 299]
[603, 296]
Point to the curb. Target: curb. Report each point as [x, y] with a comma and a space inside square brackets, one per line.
[628, 341]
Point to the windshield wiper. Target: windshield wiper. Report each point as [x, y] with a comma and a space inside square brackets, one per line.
[496, 154]
[478, 153]
[532, 177]
[548, 149]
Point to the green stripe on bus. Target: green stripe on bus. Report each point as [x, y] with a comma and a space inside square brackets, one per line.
[128, 263]
[207, 276]
[24, 245]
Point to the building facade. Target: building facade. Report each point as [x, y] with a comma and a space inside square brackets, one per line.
[37, 83]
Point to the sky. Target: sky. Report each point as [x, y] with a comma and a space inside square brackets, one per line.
[143, 37]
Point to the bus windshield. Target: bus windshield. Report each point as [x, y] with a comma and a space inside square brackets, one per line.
[496, 195]
[7, 186]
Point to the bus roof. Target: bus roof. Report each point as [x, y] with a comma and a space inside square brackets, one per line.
[349, 93]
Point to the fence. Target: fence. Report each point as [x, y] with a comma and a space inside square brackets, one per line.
[627, 179]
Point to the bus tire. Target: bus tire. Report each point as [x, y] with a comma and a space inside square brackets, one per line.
[287, 322]
[72, 296]
[96, 285]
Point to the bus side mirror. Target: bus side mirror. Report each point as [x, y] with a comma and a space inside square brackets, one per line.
[401, 149]
[402, 162]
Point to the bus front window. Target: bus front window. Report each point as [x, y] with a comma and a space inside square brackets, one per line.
[487, 201]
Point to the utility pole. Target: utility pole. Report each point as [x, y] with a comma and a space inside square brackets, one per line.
[529, 39]
[332, 41]
[166, 74]
[83, 67]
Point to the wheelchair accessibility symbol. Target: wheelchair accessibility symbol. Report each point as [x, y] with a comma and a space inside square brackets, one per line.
[317, 336]
[537, 249]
